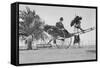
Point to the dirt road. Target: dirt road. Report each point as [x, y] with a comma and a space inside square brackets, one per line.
[52, 54]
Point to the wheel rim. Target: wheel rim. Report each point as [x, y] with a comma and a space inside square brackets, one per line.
[64, 44]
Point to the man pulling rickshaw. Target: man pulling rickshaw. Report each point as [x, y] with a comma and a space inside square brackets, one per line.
[77, 26]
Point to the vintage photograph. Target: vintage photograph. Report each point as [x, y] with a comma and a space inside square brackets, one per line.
[56, 34]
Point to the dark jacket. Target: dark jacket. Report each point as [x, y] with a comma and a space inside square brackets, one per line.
[60, 25]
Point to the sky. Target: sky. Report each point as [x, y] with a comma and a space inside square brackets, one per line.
[51, 15]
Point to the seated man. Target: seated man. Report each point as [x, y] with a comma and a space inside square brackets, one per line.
[60, 26]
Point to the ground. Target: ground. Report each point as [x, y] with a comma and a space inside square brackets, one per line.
[54, 54]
